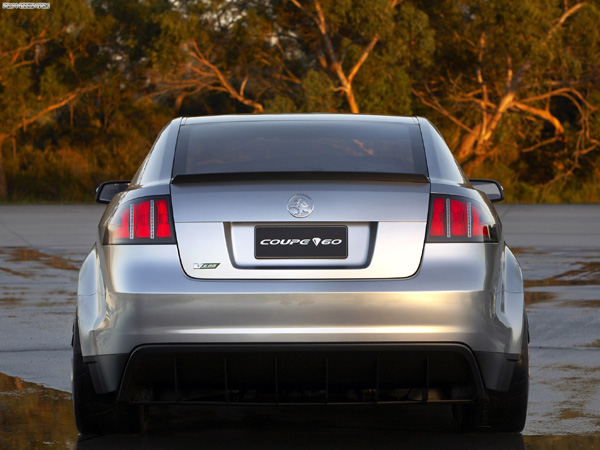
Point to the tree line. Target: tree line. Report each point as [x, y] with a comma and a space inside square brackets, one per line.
[513, 85]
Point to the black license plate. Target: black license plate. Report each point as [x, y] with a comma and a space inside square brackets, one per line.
[301, 242]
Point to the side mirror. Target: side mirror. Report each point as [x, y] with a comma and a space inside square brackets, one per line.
[491, 188]
[107, 190]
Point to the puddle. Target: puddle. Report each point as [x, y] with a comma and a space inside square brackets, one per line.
[595, 344]
[579, 369]
[37, 295]
[30, 277]
[20, 254]
[561, 278]
[14, 272]
[585, 273]
[528, 251]
[558, 281]
[10, 299]
[32, 416]
[538, 298]
[532, 298]
[583, 303]
[569, 413]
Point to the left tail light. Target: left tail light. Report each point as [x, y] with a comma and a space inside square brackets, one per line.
[141, 221]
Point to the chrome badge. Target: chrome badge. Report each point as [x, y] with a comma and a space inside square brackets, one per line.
[300, 205]
[206, 265]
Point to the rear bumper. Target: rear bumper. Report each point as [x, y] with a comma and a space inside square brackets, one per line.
[300, 374]
[474, 301]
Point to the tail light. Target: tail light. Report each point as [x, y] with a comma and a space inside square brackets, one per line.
[141, 221]
[459, 219]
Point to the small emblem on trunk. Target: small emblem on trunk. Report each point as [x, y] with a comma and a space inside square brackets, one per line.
[300, 205]
[206, 265]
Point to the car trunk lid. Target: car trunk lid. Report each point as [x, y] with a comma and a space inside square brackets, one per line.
[367, 227]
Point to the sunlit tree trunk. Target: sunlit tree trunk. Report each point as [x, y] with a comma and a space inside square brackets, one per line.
[476, 143]
[335, 59]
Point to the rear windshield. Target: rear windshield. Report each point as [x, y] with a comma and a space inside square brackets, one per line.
[299, 146]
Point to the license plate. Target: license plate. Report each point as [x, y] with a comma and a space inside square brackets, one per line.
[301, 242]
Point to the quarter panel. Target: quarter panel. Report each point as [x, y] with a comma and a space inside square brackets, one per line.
[91, 302]
[512, 310]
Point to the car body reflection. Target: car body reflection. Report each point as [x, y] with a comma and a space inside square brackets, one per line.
[33, 416]
[321, 428]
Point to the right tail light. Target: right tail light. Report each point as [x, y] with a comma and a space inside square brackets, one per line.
[460, 219]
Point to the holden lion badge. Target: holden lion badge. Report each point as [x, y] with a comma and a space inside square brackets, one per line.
[300, 206]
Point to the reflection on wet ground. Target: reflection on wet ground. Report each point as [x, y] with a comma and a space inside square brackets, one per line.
[20, 254]
[28, 274]
[37, 305]
[561, 278]
[595, 344]
[32, 416]
[562, 294]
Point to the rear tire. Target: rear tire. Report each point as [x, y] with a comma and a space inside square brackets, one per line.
[504, 411]
[508, 410]
[99, 413]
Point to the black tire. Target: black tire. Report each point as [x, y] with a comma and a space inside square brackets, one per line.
[508, 410]
[99, 413]
[504, 411]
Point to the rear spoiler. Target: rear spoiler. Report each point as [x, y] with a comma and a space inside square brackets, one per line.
[301, 176]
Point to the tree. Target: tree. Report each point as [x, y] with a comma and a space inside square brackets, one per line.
[333, 59]
[226, 47]
[38, 52]
[291, 55]
[379, 40]
[514, 85]
[505, 72]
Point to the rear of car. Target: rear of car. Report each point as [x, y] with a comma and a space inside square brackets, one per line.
[300, 259]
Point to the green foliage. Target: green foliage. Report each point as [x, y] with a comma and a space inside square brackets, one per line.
[393, 85]
[280, 104]
[414, 39]
[319, 94]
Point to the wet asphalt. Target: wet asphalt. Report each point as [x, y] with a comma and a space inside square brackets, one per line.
[558, 246]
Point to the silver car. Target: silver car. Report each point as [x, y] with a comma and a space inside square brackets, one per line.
[300, 259]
